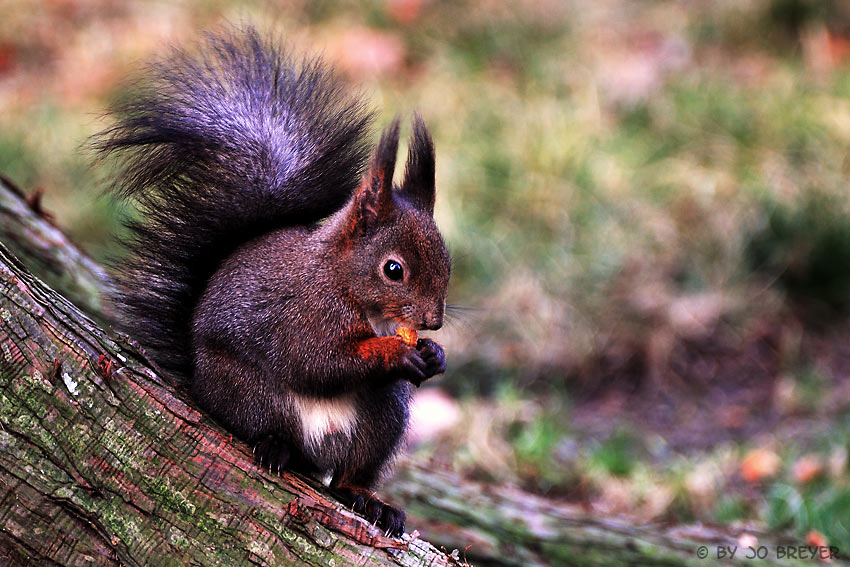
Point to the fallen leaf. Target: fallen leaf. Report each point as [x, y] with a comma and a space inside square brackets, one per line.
[759, 464]
[816, 538]
[806, 469]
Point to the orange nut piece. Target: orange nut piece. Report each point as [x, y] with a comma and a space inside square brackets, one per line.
[409, 336]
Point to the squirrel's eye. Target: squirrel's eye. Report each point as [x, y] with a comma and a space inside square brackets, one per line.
[393, 270]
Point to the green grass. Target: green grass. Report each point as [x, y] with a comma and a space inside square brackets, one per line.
[823, 508]
[730, 509]
[806, 247]
[616, 455]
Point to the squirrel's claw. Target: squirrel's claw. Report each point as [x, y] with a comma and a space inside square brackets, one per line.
[376, 511]
[271, 451]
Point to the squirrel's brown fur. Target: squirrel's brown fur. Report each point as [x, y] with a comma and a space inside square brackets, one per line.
[287, 317]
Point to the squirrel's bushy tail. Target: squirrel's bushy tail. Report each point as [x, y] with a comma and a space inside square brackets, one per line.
[216, 148]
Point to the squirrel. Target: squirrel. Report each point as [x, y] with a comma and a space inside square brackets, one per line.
[272, 260]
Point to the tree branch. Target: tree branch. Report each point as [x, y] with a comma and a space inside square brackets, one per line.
[31, 236]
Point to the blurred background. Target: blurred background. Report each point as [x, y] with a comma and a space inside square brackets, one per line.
[647, 207]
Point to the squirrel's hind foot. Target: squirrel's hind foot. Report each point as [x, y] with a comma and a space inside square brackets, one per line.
[272, 452]
[376, 511]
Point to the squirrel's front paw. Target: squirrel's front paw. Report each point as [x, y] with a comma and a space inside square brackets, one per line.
[433, 356]
[413, 366]
[426, 360]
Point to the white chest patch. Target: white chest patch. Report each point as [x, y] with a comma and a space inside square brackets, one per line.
[324, 416]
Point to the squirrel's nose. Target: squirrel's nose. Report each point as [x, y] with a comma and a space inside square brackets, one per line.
[432, 321]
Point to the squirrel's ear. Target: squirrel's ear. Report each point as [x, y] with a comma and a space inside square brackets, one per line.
[419, 185]
[374, 199]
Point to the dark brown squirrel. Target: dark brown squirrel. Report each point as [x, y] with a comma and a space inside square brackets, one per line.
[269, 267]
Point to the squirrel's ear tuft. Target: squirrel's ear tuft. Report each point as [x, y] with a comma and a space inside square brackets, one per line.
[419, 185]
[374, 200]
